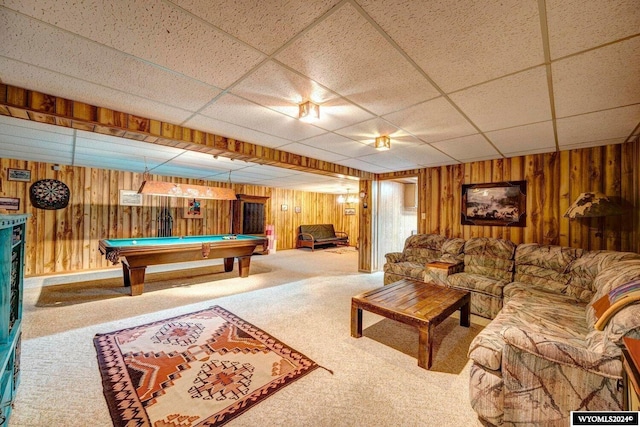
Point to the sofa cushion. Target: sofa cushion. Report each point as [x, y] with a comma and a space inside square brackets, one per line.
[407, 269]
[584, 270]
[546, 266]
[422, 248]
[489, 257]
[454, 247]
[319, 231]
[559, 321]
[477, 283]
[528, 291]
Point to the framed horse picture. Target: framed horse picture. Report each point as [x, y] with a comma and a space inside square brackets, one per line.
[499, 203]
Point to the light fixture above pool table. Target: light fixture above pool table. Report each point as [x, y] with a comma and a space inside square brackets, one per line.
[190, 191]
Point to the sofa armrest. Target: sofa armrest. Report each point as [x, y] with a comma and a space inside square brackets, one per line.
[544, 380]
[561, 353]
[342, 234]
[393, 257]
[306, 236]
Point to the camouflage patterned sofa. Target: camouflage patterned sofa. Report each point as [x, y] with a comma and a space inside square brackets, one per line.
[420, 249]
[488, 268]
[542, 357]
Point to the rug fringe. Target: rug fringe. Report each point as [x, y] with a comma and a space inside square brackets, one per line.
[326, 369]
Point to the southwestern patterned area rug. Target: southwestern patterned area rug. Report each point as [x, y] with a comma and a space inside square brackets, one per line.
[198, 369]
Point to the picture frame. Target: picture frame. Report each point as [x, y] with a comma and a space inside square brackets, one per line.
[23, 175]
[130, 198]
[284, 207]
[498, 203]
[349, 211]
[297, 209]
[193, 210]
[10, 203]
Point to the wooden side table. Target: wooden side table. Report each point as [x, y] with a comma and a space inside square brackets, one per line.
[631, 374]
[437, 271]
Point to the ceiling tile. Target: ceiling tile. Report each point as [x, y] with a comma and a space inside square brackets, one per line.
[280, 89]
[388, 159]
[460, 43]
[353, 69]
[340, 145]
[363, 166]
[510, 101]
[313, 152]
[432, 121]
[26, 140]
[603, 125]
[229, 130]
[265, 25]
[599, 79]
[368, 131]
[591, 144]
[522, 140]
[93, 62]
[231, 109]
[468, 148]
[120, 153]
[593, 23]
[27, 76]
[36, 130]
[339, 113]
[153, 30]
[424, 155]
[270, 171]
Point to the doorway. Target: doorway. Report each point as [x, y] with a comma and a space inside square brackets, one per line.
[397, 215]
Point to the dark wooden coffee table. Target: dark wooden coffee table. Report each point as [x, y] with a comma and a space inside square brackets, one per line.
[420, 304]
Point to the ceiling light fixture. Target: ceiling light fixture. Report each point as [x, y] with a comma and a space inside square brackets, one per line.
[308, 111]
[191, 191]
[383, 143]
[348, 198]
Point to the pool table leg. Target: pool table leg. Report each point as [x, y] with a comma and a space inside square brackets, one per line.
[244, 263]
[228, 264]
[134, 278]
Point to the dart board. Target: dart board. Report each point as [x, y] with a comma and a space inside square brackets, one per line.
[49, 194]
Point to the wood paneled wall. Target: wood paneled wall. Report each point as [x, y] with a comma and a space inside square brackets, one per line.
[67, 239]
[554, 181]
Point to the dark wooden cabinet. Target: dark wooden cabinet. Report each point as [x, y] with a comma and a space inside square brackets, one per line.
[249, 216]
[12, 238]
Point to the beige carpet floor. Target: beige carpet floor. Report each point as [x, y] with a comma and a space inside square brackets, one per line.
[301, 297]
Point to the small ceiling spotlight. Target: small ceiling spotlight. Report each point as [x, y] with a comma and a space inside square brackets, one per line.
[383, 143]
[309, 111]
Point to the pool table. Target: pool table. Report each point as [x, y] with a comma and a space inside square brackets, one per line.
[137, 254]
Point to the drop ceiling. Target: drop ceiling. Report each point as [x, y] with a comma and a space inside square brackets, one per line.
[450, 81]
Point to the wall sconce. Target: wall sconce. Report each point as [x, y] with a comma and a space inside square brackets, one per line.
[363, 196]
[383, 143]
[308, 111]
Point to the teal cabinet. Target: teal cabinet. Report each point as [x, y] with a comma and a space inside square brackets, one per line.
[12, 238]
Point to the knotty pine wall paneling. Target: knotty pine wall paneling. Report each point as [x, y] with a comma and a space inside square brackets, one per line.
[66, 240]
[554, 181]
